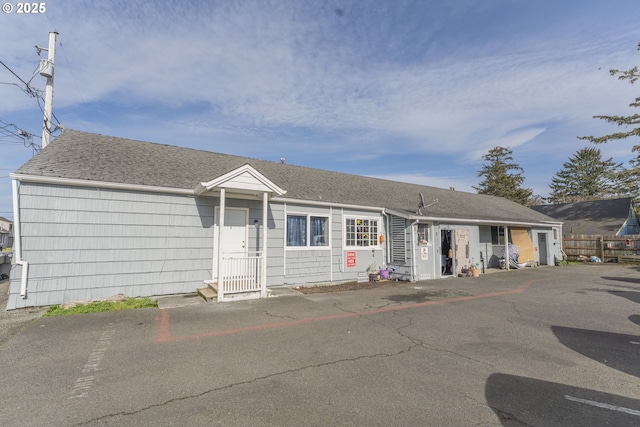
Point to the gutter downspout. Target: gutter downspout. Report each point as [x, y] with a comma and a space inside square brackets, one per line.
[387, 255]
[16, 242]
[414, 267]
[330, 245]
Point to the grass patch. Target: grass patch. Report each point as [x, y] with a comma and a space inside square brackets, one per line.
[101, 306]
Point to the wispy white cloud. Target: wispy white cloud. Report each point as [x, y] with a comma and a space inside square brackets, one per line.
[352, 83]
[280, 64]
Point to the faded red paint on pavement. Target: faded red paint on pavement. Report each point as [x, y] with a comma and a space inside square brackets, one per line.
[164, 329]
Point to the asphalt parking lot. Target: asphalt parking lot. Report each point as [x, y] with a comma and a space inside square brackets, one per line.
[555, 346]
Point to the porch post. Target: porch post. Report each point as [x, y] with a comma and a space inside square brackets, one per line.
[506, 246]
[220, 226]
[263, 272]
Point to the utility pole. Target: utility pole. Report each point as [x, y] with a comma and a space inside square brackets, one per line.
[46, 70]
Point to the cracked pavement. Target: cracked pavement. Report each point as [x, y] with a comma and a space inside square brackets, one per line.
[502, 349]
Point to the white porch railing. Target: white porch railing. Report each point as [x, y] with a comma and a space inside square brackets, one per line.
[240, 274]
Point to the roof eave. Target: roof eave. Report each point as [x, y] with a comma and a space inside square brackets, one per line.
[98, 184]
[415, 217]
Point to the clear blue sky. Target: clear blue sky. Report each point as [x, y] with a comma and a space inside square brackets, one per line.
[408, 90]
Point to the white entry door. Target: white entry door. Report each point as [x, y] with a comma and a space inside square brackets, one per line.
[234, 234]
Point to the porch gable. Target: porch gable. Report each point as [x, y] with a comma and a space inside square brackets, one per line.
[244, 179]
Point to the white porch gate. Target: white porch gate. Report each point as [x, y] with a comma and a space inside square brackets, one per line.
[240, 274]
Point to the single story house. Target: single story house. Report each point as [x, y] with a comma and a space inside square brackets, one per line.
[609, 217]
[97, 215]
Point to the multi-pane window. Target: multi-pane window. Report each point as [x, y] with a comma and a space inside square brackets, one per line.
[361, 232]
[497, 235]
[307, 230]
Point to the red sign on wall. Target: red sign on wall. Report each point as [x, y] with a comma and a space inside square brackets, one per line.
[351, 259]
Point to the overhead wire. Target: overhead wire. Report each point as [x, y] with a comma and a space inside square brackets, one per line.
[19, 136]
[12, 134]
[29, 90]
[12, 72]
[37, 93]
[35, 73]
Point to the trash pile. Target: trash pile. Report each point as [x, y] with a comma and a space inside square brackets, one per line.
[514, 254]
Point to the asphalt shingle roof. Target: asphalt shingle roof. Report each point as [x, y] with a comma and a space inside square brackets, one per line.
[603, 217]
[86, 156]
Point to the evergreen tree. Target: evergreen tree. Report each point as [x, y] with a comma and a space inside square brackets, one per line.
[629, 182]
[631, 125]
[502, 177]
[632, 76]
[586, 176]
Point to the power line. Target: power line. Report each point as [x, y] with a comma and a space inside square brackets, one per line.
[12, 134]
[29, 90]
[11, 71]
[53, 114]
[18, 136]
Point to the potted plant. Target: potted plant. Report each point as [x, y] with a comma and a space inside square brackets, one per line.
[474, 269]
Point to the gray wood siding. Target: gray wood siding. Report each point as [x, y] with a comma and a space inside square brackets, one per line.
[491, 252]
[291, 266]
[84, 243]
[337, 254]
[89, 243]
[307, 265]
[365, 256]
[275, 245]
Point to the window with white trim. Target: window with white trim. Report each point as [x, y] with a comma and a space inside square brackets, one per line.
[361, 232]
[497, 236]
[305, 230]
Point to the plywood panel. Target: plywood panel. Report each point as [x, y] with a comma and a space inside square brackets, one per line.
[520, 238]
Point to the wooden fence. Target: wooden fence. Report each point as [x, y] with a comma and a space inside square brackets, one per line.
[607, 248]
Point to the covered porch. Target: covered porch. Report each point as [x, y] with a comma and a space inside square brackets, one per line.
[239, 268]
